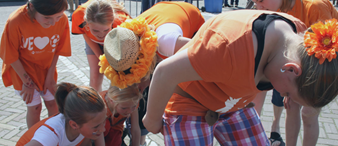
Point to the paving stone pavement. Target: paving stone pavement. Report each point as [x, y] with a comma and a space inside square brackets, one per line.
[75, 69]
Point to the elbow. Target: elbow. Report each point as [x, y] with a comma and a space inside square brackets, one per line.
[160, 71]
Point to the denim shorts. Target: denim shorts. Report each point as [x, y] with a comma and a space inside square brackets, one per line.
[89, 51]
[277, 99]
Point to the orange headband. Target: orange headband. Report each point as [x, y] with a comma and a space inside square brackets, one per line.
[323, 40]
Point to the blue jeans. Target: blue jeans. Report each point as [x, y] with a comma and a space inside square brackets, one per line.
[225, 2]
[146, 4]
[236, 2]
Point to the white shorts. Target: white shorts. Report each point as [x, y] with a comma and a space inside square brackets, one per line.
[37, 97]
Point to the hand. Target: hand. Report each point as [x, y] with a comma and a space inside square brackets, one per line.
[287, 102]
[143, 84]
[154, 126]
[50, 85]
[27, 92]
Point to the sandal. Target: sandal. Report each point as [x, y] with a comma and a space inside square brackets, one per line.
[275, 137]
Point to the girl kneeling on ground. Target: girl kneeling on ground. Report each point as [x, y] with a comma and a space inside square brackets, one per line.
[82, 115]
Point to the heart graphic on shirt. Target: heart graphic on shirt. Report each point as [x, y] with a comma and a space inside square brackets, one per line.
[41, 42]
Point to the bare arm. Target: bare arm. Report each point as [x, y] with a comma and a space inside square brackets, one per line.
[143, 84]
[20, 70]
[50, 83]
[28, 85]
[135, 129]
[94, 46]
[180, 42]
[168, 74]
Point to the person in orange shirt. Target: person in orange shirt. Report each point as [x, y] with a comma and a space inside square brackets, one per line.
[206, 88]
[94, 19]
[128, 60]
[175, 24]
[309, 12]
[82, 115]
[122, 105]
[30, 53]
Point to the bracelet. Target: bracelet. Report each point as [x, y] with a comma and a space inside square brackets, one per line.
[27, 86]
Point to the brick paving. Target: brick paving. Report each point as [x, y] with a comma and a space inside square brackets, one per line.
[75, 69]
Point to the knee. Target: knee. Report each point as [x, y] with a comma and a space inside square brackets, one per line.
[51, 104]
[309, 112]
[36, 109]
[310, 116]
[96, 76]
[294, 109]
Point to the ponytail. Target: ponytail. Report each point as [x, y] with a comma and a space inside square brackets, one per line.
[78, 103]
[61, 94]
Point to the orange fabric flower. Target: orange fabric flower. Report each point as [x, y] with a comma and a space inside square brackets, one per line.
[148, 43]
[323, 40]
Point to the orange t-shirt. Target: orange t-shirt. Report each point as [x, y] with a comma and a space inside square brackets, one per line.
[79, 25]
[222, 53]
[185, 15]
[34, 45]
[117, 122]
[312, 11]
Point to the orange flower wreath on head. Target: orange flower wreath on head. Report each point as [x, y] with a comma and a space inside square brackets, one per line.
[140, 68]
[323, 41]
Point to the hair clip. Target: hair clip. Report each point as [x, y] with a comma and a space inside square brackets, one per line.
[323, 41]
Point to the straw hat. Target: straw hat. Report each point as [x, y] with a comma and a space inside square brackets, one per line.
[121, 48]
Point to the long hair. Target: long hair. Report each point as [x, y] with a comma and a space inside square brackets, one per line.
[77, 103]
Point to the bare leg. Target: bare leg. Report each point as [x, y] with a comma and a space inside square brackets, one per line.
[76, 4]
[143, 139]
[71, 6]
[259, 101]
[51, 107]
[311, 125]
[33, 115]
[277, 112]
[292, 125]
[96, 77]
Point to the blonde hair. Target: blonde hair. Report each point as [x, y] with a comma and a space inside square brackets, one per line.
[131, 93]
[318, 83]
[122, 95]
[103, 11]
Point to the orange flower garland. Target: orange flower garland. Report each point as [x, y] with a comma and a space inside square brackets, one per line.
[148, 43]
[323, 41]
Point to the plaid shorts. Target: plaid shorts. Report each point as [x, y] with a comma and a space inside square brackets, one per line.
[242, 127]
